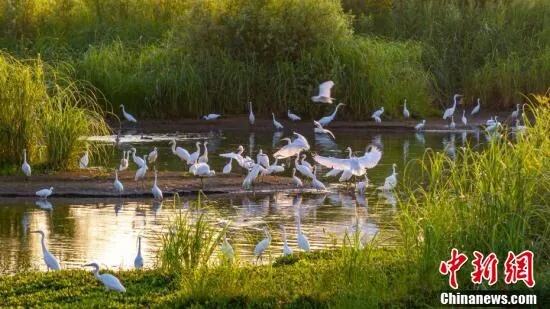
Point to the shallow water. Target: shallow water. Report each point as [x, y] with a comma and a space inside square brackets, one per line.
[105, 230]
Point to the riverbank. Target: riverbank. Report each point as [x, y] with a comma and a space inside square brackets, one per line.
[94, 183]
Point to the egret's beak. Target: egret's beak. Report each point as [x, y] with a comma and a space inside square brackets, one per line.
[86, 265]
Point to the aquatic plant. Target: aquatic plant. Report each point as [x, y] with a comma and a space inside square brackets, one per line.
[44, 113]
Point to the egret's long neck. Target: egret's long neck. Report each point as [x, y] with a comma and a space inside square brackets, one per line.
[393, 167]
[155, 184]
[139, 246]
[25, 156]
[350, 152]
[116, 175]
[174, 147]
[43, 243]
[96, 272]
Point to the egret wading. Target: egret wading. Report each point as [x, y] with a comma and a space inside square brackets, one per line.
[138, 261]
[51, 262]
[328, 119]
[127, 115]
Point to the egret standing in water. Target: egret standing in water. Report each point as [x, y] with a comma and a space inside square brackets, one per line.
[476, 109]
[50, 260]
[276, 124]
[464, 119]
[227, 168]
[140, 173]
[406, 113]
[303, 242]
[319, 129]
[109, 281]
[324, 93]
[452, 125]
[316, 183]
[251, 118]
[153, 155]
[127, 116]
[420, 126]
[376, 115]
[138, 261]
[119, 188]
[211, 116]
[391, 181]
[295, 180]
[292, 116]
[262, 245]
[328, 119]
[451, 110]
[44, 193]
[157, 192]
[25, 167]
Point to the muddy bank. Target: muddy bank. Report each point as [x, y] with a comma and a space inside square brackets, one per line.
[97, 184]
[240, 122]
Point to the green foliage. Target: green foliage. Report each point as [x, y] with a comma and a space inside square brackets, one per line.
[44, 113]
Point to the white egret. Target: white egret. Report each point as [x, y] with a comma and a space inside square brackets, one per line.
[328, 119]
[515, 113]
[406, 113]
[333, 172]
[180, 152]
[324, 93]
[294, 148]
[204, 157]
[376, 115]
[211, 116]
[237, 156]
[138, 261]
[119, 188]
[157, 192]
[124, 161]
[476, 108]
[195, 155]
[356, 165]
[137, 160]
[276, 124]
[44, 193]
[109, 281]
[492, 121]
[295, 180]
[227, 168]
[302, 168]
[128, 116]
[420, 125]
[316, 183]
[202, 170]
[319, 129]
[227, 249]
[451, 110]
[292, 116]
[251, 118]
[274, 168]
[262, 159]
[518, 128]
[303, 242]
[51, 262]
[391, 181]
[140, 173]
[286, 249]
[304, 162]
[252, 175]
[452, 125]
[262, 245]
[464, 119]
[362, 185]
[493, 126]
[25, 167]
[84, 160]
[153, 155]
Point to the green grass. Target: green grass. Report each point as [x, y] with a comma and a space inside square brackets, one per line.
[45, 113]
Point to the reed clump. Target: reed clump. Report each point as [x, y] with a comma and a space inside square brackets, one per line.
[44, 113]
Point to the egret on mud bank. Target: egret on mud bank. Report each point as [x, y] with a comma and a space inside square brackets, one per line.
[406, 113]
[476, 108]
[295, 180]
[51, 262]
[211, 116]
[140, 162]
[153, 155]
[451, 110]
[127, 115]
[204, 157]
[119, 188]
[25, 167]
[124, 161]
[376, 115]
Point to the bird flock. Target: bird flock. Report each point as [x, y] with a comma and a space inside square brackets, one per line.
[349, 170]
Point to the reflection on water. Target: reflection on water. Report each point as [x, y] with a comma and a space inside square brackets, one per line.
[106, 230]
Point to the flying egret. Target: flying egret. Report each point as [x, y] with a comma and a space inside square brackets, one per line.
[376, 115]
[44, 193]
[84, 160]
[286, 249]
[515, 113]
[228, 166]
[204, 157]
[324, 93]
[464, 119]
[124, 161]
[137, 160]
[475, 110]
[25, 167]
[356, 165]
[138, 261]
[319, 129]
[157, 192]
[262, 158]
[211, 116]
[237, 156]
[421, 125]
[406, 113]
[262, 245]
[292, 116]
[328, 119]
[391, 181]
[227, 249]
[303, 242]
[316, 183]
[294, 148]
[109, 281]
[295, 180]
[251, 118]
[276, 124]
[140, 173]
[452, 125]
[362, 185]
[51, 262]
[119, 188]
[128, 116]
[451, 110]
[180, 152]
[153, 155]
